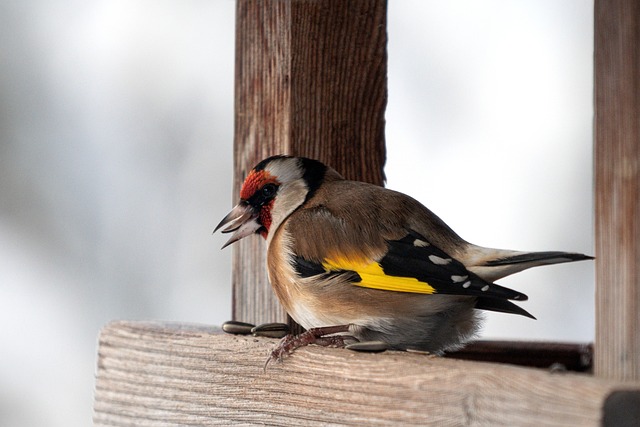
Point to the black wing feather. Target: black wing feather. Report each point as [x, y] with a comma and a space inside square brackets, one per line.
[414, 256]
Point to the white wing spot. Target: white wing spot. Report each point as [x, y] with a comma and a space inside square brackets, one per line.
[485, 288]
[466, 284]
[458, 279]
[439, 261]
[420, 243]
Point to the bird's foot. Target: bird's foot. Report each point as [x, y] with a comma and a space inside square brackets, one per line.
[320, 336]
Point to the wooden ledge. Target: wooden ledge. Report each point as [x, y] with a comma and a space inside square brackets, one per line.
[167, 374]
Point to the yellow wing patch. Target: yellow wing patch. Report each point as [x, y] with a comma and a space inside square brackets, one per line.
[374, 277]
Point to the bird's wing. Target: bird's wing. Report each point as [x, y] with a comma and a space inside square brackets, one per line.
[409, 264]
[374, 244]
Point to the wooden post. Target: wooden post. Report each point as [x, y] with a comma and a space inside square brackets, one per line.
[310, 81]
[617, 188]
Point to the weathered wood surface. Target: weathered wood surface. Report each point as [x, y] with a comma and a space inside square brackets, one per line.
[310, 81]
[617, 188]
[152, 374]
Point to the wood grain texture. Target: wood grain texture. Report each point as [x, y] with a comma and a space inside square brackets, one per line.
[152, 374]
[617, 181]
[310, 81]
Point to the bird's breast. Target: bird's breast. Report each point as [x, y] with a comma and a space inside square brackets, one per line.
[312, 301]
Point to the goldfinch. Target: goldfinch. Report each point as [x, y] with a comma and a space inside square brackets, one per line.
[358, 259]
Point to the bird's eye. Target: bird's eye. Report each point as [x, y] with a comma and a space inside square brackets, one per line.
[269, 190]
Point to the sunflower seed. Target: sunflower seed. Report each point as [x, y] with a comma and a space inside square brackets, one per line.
[368, 346]
[271, 330]
[239, 328]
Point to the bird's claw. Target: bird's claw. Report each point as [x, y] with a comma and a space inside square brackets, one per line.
[319, 336]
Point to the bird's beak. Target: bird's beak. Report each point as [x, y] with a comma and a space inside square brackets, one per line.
[242, 219]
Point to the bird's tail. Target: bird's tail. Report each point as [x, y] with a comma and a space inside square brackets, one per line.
[501, 306]
[493, 264]
[538, 258]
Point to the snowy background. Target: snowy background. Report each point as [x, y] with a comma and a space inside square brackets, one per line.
[116, 124]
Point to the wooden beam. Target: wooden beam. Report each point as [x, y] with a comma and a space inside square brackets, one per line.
[152, 374]
[617, 188]
[537, 354]
[310, 81]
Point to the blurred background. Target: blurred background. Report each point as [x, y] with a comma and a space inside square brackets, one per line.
[116, 124]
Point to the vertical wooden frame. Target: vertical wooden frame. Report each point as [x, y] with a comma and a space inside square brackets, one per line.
[617, 188]
[310, 81]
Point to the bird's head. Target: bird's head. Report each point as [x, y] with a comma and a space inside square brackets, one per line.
[272, 190]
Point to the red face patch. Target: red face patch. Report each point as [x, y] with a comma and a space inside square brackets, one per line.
[265, 218]
[254, 182]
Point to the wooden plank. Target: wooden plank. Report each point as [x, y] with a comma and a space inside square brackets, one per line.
[617, 187]
[310, 81]
[152, 374]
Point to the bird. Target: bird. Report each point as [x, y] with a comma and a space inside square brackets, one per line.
[353, 262]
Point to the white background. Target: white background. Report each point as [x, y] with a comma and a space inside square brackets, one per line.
[116, 121]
